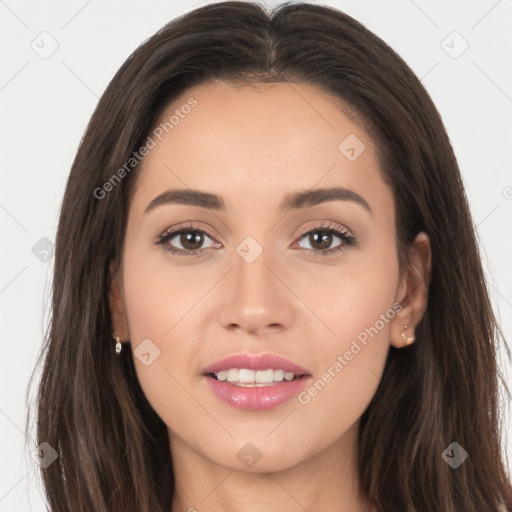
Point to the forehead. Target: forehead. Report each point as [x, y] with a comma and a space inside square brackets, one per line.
[263, 141]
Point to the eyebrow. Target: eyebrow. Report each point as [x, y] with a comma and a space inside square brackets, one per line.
[297, 200]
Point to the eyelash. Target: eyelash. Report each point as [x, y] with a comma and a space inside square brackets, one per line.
[348, 240]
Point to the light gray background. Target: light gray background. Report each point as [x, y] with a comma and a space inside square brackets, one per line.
[46, 104]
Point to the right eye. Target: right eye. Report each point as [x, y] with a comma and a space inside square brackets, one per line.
[187, 236]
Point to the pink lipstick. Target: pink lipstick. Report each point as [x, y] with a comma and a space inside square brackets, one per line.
[255, 382]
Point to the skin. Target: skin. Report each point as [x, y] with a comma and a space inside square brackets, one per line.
[252, 146]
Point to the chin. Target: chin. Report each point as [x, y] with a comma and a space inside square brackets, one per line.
[255, 455]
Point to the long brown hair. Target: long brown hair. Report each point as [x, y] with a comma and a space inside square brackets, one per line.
[113, 449]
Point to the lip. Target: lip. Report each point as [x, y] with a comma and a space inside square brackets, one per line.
[256, 398]
[256, 362]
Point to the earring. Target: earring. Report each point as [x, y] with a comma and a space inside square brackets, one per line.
[406, 339]
[118, 345]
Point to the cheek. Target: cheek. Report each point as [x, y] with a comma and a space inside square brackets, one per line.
[359, 307]
[350, 363]
[160, 308]
[161, 296]
[358, 300]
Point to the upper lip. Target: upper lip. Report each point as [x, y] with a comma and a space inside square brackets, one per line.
[256, 362]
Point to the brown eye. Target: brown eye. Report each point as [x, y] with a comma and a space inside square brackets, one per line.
[189, 241]
[320, 239]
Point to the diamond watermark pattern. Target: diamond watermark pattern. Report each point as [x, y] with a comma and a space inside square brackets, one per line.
[146, 352]
[454, 455]
[249, 249]
[351, 147]
[43, 249]
[249, 455]
[44, 455]
[45, 45]
[454, 45]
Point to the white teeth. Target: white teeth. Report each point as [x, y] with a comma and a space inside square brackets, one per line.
[264, 376]
[279, 375]
[245, 376]
[222, 375]
[232, 375]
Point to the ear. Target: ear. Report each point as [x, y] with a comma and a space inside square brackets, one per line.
[412, 291]
[116, 303]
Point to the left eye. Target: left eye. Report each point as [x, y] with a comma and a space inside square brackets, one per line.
[190, 240]
[323, 238]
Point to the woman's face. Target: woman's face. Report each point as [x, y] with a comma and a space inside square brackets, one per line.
[260, 273]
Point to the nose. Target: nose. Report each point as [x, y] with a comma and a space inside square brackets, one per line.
[255, 296]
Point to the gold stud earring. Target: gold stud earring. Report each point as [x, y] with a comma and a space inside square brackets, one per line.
[119, 346]
[406, 339]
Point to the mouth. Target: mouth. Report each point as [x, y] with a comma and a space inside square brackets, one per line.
[255, 382]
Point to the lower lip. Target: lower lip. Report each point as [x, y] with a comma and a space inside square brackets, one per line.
[256, 398]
